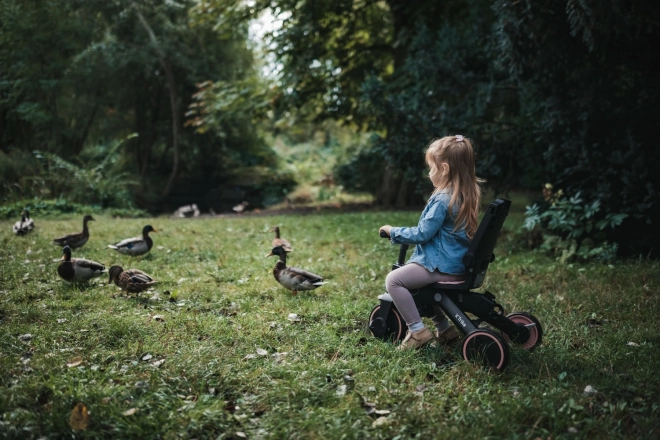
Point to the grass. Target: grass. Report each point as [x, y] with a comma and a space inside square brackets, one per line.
[234, 365]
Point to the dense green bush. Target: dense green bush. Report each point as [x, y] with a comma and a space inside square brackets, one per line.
[588, 95]
[100, 180]
[40, 208]
[574, 228]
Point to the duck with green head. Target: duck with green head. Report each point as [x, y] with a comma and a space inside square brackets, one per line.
[78, 270]
[137, 245]
[24, 225]
[293, 278]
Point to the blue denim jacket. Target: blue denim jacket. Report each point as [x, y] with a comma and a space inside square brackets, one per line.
[437, 246]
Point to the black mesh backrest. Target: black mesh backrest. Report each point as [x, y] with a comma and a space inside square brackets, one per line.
[480, 254]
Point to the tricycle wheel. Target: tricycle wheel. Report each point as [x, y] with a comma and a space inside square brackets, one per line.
[486, 347]
[535, 330]
[389, 329]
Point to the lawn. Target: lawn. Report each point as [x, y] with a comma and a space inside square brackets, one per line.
[213, 352]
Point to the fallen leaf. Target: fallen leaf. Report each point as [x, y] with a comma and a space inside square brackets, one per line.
[294, 317]
[240, 434]
[250, 356]
[158, 363]
[26, 337]
[382, 412]
[341, 390]
[369, 407]
[589, 390]
[158, 318]
[633, 344]
[380, 421]
[130, 412]
[79, 419]
[146, 357]
[61, 321]
[262, 352]
[74, 362]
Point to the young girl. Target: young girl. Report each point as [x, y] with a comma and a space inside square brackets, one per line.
[442, 236]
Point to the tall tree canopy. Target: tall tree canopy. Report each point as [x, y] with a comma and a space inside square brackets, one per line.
[563, 92]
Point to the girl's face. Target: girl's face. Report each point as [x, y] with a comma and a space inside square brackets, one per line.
[438, 175]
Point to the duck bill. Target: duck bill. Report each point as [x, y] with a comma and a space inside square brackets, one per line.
[270, 254]
[154, 230]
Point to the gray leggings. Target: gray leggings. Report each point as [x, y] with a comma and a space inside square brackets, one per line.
[414, 276]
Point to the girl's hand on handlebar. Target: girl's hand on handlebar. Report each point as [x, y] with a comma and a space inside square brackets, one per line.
[386, 229]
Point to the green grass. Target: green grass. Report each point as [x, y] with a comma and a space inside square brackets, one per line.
[601, 329]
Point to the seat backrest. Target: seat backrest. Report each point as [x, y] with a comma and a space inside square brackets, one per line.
[480, 253]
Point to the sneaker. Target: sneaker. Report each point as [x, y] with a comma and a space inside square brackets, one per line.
[447, 336]
[416, 339]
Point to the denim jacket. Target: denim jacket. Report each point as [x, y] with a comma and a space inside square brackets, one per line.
[437, 246]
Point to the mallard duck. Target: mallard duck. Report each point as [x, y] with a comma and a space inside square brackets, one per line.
[277, 241]
[293, 278]
[24, 225]
[137, 245]
[75, 241]
[78, 270]
[131, 280]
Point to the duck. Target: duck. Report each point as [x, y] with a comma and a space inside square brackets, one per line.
[137, 245]
[293, 278]
[78, 270]
[277, 241]
[24, 225]
[240, 207]
[131, 280]
[77, 240]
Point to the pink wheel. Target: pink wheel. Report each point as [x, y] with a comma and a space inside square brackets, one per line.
[386, 329]
[486, 347]
[535, 331]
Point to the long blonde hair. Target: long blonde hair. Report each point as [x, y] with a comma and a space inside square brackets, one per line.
[451, 163]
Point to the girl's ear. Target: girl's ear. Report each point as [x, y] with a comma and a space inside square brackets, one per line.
[445, 168]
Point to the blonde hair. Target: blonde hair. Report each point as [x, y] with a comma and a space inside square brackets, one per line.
[451, 163]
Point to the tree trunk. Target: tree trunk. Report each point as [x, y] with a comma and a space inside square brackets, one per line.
[171, 85]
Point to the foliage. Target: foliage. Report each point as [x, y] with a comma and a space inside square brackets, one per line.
[588, 95]
[99, 181]
[224, 360]
[55, 208]
[76, 74]
[575, 228]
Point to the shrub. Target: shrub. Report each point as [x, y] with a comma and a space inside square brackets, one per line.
[574, 228]
[40, 208]
[96, 181]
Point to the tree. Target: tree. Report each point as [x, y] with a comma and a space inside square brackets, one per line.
[588, 77]
[78, 75]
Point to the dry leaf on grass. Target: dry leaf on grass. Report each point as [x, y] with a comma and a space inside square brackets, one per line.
[130, 412]
[79, 419]
[74, 362]
[380, 421]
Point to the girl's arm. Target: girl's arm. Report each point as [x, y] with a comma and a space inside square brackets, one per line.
[429, 225]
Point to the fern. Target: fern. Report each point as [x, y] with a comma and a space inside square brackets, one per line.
[102, 183]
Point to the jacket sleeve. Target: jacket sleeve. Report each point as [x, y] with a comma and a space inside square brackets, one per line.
[429, 225]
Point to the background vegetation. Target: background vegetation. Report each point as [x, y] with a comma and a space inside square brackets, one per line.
[562, 92]
[212, 352]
